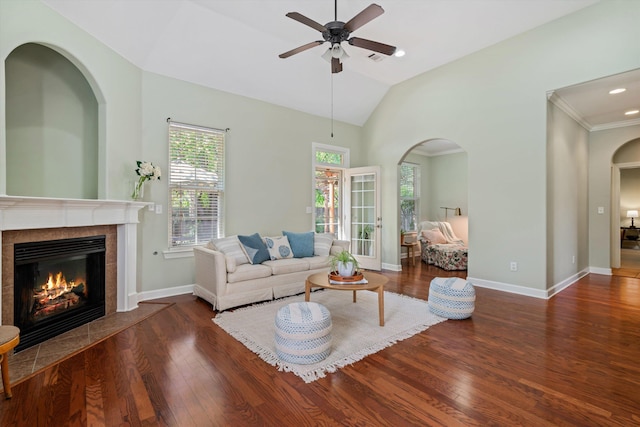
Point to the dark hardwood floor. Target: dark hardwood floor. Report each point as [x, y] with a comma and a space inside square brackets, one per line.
[572, 360]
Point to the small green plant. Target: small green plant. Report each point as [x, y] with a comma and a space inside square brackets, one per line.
[366, 232]
[345, 257]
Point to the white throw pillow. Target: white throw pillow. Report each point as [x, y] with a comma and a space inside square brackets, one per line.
[322, 243]
[434, 236]
[279, 247]
[230, 246]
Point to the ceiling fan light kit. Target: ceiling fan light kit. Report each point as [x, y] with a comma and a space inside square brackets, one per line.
[336, 32]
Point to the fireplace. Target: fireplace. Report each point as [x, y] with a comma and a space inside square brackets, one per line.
[58, 285]
[37, 219]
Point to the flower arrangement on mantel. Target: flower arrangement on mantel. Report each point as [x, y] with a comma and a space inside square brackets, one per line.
[146, 171]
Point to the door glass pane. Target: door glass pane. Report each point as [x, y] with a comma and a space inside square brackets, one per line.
[327, 203]
[363, 211]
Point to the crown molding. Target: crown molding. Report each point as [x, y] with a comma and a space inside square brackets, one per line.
[615, 125]
[557, 100]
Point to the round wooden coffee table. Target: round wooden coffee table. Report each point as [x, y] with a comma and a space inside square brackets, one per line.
[376, 283]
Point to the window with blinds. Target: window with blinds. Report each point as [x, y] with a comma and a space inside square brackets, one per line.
[196, 184]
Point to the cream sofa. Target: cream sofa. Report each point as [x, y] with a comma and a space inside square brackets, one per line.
[223, 283]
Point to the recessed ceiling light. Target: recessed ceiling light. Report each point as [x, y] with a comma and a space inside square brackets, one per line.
[399, 53]
[616, 91]
[631, 112]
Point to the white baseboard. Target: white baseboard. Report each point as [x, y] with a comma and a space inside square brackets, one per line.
[600, 270]
[392, 267]
[559, 287]
[536, 293]
[507, 287]
[489, 284]
[163, 293]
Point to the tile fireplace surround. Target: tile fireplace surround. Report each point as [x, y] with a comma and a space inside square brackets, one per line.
[25, 219]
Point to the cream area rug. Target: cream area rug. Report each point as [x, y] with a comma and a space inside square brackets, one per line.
[356, 331]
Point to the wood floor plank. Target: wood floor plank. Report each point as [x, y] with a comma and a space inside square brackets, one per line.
[571, 360]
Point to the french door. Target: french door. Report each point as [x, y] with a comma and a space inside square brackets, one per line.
[362, 215]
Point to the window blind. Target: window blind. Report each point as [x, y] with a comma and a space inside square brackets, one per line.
[196, 184]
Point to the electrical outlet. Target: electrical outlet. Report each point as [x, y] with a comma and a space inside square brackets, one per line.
[513, 266]
[600, 210]
[573, 259]
[158, 209]
[151, 207]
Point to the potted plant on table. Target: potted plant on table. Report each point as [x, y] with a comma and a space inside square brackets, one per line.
[344, 263]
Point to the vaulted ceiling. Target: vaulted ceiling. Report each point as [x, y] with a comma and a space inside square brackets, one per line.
[234, 45]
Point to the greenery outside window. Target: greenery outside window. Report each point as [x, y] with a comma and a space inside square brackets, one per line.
[409, 196]
[329, 163]
[196, 184]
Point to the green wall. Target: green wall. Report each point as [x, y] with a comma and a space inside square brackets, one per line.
[493, 104]
[268, 165]
[567, 196]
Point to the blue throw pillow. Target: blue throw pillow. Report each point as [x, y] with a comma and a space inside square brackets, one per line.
[301, 243]
[254, 248]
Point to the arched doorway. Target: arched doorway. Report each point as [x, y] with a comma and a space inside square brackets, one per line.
[433, 186]
[625, 251]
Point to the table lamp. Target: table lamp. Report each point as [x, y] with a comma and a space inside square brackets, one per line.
[632, 214]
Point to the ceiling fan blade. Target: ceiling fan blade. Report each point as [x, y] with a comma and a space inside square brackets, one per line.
[369, 13]
[371, 45]
[306, 21]
[336, 65]
[300, 49]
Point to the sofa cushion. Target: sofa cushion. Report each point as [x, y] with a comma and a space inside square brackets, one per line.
[254, 248]
[230, 246]
[322, 243]
[278, 247]
[248, 272]
[284, 266]
[318, 262]
[231, 263]
[301, 243]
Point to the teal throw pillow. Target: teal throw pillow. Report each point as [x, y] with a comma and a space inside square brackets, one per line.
[301, 243]
[255, 248]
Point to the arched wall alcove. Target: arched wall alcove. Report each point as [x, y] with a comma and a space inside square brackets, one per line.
[443, 182]
[52, 126]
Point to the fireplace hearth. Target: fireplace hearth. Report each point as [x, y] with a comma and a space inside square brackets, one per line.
[58, 285]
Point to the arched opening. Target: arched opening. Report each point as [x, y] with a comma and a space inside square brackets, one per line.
[52, 124]
[440, 191]
[625, 192]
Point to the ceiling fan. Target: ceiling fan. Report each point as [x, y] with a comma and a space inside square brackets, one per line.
[336, 32]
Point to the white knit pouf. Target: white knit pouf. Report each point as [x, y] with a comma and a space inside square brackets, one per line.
[303, 333]
[451, 297]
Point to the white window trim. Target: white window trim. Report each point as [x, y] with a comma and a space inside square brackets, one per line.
[176, 252]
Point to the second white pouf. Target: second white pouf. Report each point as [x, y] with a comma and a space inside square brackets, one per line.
[451, 297]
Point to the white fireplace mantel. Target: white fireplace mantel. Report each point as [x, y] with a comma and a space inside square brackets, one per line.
[23, 213]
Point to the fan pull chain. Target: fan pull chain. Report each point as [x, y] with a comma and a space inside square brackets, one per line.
[331, 105]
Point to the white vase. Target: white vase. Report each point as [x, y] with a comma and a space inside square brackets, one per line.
[345, 269]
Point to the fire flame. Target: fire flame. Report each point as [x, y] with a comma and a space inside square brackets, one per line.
[56, 287]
